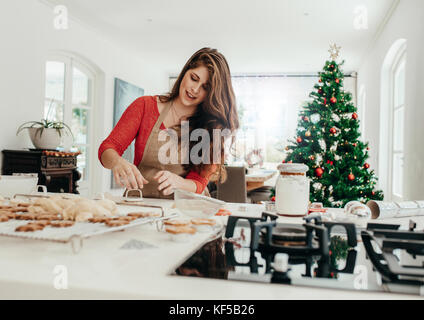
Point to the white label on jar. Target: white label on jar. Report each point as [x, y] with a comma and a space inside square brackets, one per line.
[292, 195]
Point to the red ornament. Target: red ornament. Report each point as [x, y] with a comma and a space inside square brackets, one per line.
[305, 118]
[299, 139]
[319, 91]
[354, 144]
[373, 193]
[354, 116]
[325, 100]
[337, 80]
[366, 165]
[319, 172]
[329, 162]
[283, 161]
[320, 80]
[333, 130]
[351, 177]
[333, 100]
[273, 198]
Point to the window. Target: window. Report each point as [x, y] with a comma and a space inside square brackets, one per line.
[392, 115]
[69, 98]
[398, 115]
[361, 109]
[268, 108]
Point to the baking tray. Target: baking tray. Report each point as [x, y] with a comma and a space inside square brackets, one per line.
[76, 234]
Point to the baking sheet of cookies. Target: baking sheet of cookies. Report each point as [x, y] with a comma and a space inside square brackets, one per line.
[81, 229]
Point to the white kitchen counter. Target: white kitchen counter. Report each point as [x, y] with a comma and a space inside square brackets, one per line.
[104, 270]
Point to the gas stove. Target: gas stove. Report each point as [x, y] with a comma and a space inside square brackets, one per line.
[317, 253]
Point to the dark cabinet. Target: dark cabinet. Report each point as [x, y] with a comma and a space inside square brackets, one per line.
[56, 170]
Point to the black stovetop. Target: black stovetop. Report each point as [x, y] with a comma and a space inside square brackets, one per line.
[316, 254]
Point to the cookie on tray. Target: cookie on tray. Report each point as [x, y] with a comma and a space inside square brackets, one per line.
[25, 216]
[43, 222]
[124, 218]
[116, 223]
[144, 214]
[9, 214]
[47, 216]
[30, 227]
[176, 223]
[61, 224]
[99, 219]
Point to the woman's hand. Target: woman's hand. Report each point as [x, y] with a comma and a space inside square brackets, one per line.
[127, 175]
[169, 181]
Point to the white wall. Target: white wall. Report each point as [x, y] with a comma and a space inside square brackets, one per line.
[27, 36]
[406, 22]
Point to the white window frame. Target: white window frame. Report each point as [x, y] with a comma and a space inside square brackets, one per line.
[84, 187]
[399, 62]
[362, 99]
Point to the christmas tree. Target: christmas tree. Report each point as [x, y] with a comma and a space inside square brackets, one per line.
[327, 141]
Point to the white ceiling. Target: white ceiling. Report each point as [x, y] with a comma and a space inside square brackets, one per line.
[256, 36]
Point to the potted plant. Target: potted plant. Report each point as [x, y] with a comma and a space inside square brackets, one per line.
[45, 134]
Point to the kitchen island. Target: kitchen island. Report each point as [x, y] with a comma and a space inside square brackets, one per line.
[135, 264]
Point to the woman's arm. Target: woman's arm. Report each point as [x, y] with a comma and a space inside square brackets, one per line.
[112, 148]
[201, 180]
[125, 130]
[125, 174]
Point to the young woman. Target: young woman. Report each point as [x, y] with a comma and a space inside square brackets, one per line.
[203, 96]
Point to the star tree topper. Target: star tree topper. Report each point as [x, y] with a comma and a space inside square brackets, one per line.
[334, 51]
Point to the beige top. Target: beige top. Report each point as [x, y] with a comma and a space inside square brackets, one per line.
[150, 165]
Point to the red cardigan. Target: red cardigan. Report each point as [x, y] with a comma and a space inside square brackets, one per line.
[136, 123]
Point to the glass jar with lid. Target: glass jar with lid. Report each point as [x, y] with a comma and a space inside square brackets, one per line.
[292, 190]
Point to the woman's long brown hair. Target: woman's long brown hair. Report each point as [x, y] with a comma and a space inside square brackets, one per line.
[217, 111]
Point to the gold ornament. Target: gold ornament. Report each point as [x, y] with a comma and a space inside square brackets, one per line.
[307, 133]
